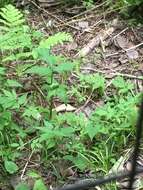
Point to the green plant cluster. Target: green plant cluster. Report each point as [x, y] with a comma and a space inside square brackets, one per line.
[130, 10]
[32, 78]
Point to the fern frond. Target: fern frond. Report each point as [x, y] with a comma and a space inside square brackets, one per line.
[11, 17]
[18, 56]
[15, 36]
[13, 40]
[55, 39]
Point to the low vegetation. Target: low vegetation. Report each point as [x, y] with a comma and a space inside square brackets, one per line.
[32, 80]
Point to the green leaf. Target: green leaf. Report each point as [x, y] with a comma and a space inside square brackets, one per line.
[8, 102]
[33, 174]
[80, 161]
[64, 67]
[39, 185]
[39, 70]
[44, 55]
[10, 167]
[55, 39]
[92, 131]
[8, 93]
[2, 71]
[22, 99]
[122, 85]
[13, 83]
[14, 145]
[61, 92]
[32, 111]
[94, 81]
[22, 186]
[18, 56]
[67, 131]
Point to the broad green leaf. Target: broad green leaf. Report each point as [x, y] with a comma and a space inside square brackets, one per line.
[22, 186]
[39, 185]
[10, 167]
[39, 70]
[8, 102]
[33, 174]
[67, 131]
[7, 93]
[44, 55]
[92, 131]
[61, 92]
[13, 83]
[64, 67]
[22, 99]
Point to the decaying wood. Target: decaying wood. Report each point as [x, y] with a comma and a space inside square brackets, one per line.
[102, 35]
[95, 42]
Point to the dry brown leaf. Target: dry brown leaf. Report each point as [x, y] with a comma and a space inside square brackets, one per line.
[121, 42]
[132, 54]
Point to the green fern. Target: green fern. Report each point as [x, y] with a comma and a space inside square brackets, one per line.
[46, 44]
[55, 39]
[11, 17]
[14, 33]
[18, 41]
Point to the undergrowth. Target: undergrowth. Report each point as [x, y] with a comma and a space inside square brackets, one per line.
[32, 80]
[130, 9]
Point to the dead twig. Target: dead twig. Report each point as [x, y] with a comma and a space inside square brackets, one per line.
[87, 11]
[125, 50]
[85, 104]
[52, 15]
[76, 20]
[114, 74]
[113, 54]
[24, 169]
[39, 90]
[120, 33]
[134, 47]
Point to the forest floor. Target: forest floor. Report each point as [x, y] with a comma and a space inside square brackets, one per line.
[102, 42]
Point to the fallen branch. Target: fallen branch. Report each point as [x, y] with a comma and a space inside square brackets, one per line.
[24, 169]
[95, 42]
